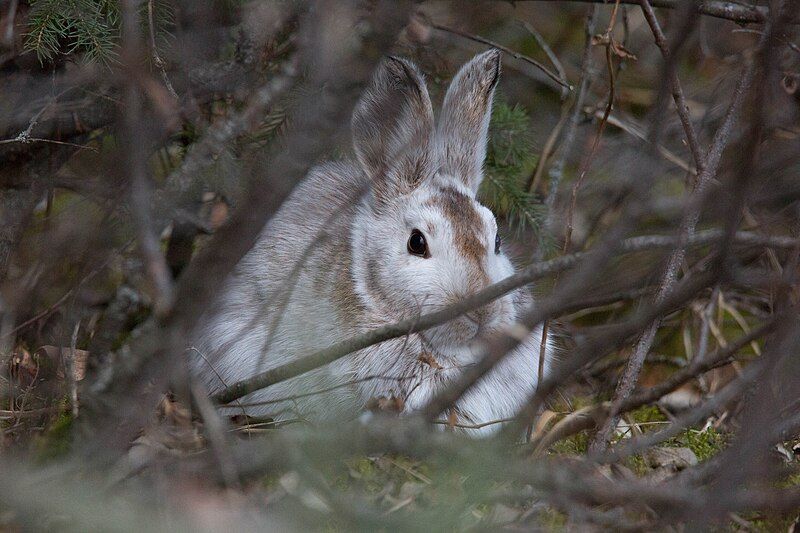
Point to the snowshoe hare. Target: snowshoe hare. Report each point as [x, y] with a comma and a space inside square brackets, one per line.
[396, 233]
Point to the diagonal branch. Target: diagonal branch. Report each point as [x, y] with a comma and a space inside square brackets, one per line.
[734, 11]
[675, 84]
[516, 55]
[415, 324]
[630, 375]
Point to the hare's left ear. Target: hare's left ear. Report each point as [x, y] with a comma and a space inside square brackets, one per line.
[464, 124]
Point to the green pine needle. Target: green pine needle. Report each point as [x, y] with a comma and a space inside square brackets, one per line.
[88, 29]
[509, 161]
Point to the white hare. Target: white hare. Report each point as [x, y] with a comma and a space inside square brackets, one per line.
[360, 244]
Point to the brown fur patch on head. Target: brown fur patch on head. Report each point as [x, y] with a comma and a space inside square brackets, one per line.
[466, 222]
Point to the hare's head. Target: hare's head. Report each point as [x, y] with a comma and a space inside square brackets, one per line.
[423, 241]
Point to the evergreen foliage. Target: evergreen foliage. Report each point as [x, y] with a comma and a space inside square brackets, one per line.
[510, 160]
[86, 28]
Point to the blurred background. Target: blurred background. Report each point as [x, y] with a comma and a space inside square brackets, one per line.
[643, 155]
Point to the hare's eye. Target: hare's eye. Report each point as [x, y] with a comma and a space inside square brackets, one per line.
[497, 243]
[417, 244]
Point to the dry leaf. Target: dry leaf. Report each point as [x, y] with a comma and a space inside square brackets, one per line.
[621, 52]
[616, 48]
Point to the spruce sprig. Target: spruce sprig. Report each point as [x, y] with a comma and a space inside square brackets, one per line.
[510, 157]
[89, 29]
[73, 26]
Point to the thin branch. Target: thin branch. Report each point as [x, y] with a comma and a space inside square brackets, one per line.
[549, 52]
[630, 375]
[399, 329]
[588, 417]
[734, 11]
[693, 417]
[587, 69]
[675, 84]
[550, 74]
[27, 140]
[636, 132]
[609, 42]
[137, 169]
[157, 61]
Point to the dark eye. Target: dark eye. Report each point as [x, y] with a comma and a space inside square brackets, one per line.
[497, 243]
[417, 244]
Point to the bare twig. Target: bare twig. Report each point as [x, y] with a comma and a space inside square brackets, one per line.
[157, 61]
[734, 11]
[588, 417]
[675, 84]
[630, 376]
[609, 42]
[639, 134]
[412, 325]
[587, 71]
[137, 168]
[516, 55]
[216, 431]
[562, 74]
[71, 376]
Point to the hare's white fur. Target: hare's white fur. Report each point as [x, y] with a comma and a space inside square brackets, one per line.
[334, 263]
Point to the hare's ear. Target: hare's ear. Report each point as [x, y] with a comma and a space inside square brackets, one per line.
[393, 129]
[464, 124]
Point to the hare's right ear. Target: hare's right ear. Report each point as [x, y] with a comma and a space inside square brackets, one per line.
[393, 128]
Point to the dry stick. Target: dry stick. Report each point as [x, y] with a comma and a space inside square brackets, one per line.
[136, 168]
[730, 392]
[549, 52]
[733, 11]
[516, 55]
[600, 128]
[587, 67]
[215, 429]
[630, 376]
[51, 141]
[157, 61]
[675, 84]
[547, 149]
[24, 136]
[479, 299]
[636, 132]
[557, 170]
[579, 182]
[589, 416]
[6, 414]
[71, 376]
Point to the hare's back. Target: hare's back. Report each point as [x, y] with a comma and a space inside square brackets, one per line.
[321, 206]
